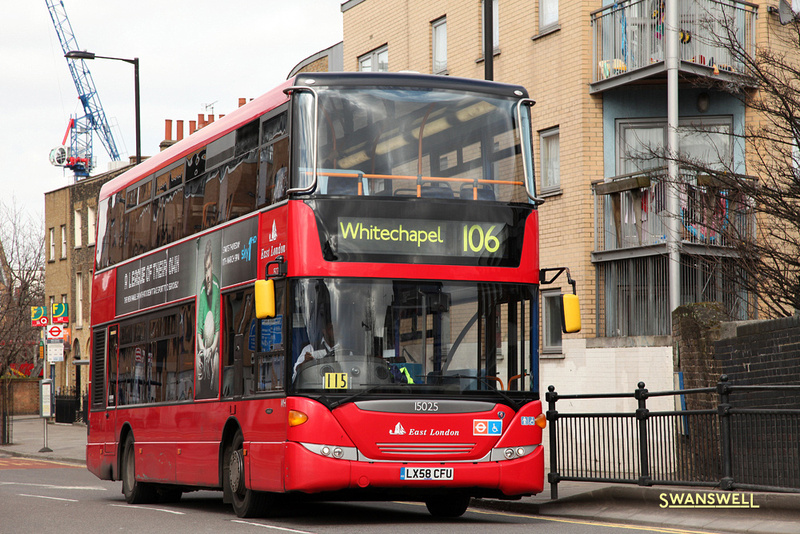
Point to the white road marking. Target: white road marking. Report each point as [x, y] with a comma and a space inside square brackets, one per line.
[270, 526]
[135, 507]
[45, 497]
[51, 486]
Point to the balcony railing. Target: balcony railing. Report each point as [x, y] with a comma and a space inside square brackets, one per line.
[629, 36]
[631, 212]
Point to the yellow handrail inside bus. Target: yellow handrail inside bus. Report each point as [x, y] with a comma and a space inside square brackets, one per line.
[416, 179]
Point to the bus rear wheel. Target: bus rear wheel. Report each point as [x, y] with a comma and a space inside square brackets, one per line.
[453, 506]
[246, 502]
[135, 492]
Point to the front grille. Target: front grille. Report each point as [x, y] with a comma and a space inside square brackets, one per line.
[426, 448]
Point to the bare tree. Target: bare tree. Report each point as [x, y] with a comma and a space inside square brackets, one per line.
[21, 284]
[766, 254]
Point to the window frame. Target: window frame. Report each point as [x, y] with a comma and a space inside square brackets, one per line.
[79, 299]
[551, 346]
[495, 27]
[78, 227]
[624, 124]
[374, 59]
[437, 27]
[547, 136]
[546, 26]
[63, 241]
[52, 244]
[91, 225]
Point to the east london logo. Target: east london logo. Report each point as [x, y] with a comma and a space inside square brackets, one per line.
[706, 500]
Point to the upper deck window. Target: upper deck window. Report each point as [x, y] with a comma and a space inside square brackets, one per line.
[406, 142]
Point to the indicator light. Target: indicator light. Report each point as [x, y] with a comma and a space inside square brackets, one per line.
[541, 420]
[297, 418]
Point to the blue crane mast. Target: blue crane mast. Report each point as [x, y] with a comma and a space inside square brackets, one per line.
[77, 156]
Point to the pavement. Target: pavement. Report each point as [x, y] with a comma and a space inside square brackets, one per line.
[657, 507]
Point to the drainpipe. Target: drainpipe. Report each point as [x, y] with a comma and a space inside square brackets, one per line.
[672, 59]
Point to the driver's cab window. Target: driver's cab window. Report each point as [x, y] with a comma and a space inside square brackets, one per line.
[312, 333]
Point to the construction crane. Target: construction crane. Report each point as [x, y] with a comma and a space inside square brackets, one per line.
[75, 151]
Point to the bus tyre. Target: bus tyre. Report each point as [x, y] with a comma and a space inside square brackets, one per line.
[453, 506]
[135, 492]
[246, 502]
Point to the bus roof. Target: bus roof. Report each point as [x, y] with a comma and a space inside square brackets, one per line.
[276, 97]
[205, 135]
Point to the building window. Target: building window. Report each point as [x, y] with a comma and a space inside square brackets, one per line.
[91, 225]
[551, 164]
[548, 14]
[63, 241]
[551, 322]
[52, 244]
[375, 61]
[439, 44]
[495, 26]
[78, 229]
[78, 299]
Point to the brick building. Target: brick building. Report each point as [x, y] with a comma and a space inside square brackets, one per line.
[598, 73]
[70, 219]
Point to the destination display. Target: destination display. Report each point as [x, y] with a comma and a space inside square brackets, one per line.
[369, 235]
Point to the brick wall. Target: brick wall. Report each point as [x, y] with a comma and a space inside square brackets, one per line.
[25, 396]
[751, 353]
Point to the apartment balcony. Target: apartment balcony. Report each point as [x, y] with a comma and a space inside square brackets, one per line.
[629, 42]
[631, 217]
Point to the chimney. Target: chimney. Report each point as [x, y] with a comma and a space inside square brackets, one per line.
[210, 119]
[180, 131]
[167, 142]
[192, 127]
[242, 102]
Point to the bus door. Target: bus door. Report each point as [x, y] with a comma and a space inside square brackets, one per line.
[272, 344]
[112, 392]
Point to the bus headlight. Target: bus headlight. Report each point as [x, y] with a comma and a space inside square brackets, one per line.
[511, 453]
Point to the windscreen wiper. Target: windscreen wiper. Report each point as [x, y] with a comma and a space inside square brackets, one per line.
[486, 381]
[349, 398]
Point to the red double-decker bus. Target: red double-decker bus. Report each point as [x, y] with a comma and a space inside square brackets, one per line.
[330, 292]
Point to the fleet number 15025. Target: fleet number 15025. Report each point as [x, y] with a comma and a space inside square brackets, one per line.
[426, 406]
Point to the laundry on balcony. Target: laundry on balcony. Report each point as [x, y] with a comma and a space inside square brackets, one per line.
[612, 67]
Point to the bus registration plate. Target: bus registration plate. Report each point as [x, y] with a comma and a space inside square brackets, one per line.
[426, 473]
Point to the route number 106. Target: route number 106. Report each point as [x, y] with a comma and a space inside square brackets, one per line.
[477, 240]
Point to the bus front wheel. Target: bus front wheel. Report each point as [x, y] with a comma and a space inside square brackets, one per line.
[135, 492]
[246, 502]
[453, 506]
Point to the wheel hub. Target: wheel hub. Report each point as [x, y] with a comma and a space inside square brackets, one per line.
[237, 471]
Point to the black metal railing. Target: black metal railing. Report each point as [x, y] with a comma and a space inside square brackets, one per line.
[69, 406]
[705, 441]
[6, 411]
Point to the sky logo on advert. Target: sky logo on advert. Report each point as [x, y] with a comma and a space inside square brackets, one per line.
[274, 234]
[398, 430]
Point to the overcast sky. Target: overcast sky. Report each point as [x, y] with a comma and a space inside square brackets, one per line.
[193, 55]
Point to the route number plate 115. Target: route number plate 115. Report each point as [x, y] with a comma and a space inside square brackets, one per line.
[426, 473]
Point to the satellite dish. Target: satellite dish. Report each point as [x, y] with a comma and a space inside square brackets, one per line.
[59, 156]
[785, 13]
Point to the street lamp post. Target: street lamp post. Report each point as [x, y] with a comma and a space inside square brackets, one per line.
[79, 54]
